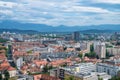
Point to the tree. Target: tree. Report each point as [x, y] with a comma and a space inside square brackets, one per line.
[70, 78]
[91, 55]
[80, 55]
[97, 56]
[1, 77]
[64, 65]
[115, 78]
[91, 48]
[108, 55]
[2, 40]
[100, 78]
[7, 75]
[65, 48]
[45, 69]
[51, 67]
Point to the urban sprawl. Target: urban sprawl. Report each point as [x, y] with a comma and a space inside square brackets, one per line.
[60, 56]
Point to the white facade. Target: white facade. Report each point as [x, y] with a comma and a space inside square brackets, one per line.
[100, 49]
[114, 51]
[91, 76]
[85, 46]
[104, 76]
[108, 68]
[12, 73]
[82, 68]
[86, 67]
[19, 62]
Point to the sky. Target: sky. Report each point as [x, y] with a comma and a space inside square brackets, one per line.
[61, 12]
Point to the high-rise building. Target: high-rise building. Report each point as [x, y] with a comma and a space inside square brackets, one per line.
[76, 36]
[100, 49]
[84, 45]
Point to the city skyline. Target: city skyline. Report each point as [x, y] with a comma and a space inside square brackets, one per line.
[59, 39]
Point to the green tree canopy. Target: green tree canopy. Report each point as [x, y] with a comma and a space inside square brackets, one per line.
[115, 78]
[91, 55]
[70, 78]
[7, 75]
[80, 55]
[1, 77]
[91, 48]
[2, 40]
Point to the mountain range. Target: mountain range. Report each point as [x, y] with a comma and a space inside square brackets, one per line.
[9, 24]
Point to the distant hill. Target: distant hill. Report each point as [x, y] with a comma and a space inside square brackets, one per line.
[99, 31]
[46, 28]
[37, 32]
[18, 31]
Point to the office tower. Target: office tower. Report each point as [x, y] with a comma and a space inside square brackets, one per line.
[76, 36]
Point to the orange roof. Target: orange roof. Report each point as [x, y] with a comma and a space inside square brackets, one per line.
[2, 56]
[6, 66]
[2, 51]
[11, 68]
[70, 49]
[60, 62]
[4, 63]
[40, 62]
[45, 77]
[2, 47]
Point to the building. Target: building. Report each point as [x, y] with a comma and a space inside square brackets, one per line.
[115, 36]
[79, 71]
[114, 50]
[44, 77]
[12, 71]
[79, 76]
[76, 36]
[84, 45]
[118, 74]
[25, 77]
[82, 68]
[58, 72]
[104, 76]
[100, 49]
[111, 67]
[5, 66]
[68, 37]
[68, 74]
[19, 62]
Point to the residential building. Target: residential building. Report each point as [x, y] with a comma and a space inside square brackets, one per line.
[111, 67]
[114, 50]
[44, 77]
[19, 62]
[104, 76]
[100, 49]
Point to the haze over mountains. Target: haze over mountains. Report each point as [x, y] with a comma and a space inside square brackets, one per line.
[7, 24]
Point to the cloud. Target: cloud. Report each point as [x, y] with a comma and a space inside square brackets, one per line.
[86, 9]
[7, 4]
[61, 12]
[107, 1]
[6, 12]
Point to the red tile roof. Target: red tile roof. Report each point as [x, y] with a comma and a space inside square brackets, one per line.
[40, 62]
[44, 77]
[6, 66]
